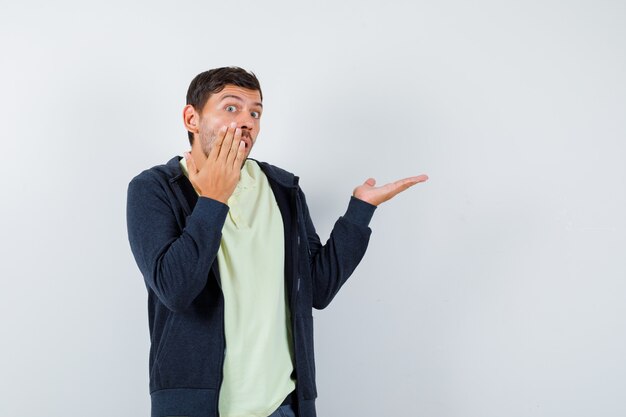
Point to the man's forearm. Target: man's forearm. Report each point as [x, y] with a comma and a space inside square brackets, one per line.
[333, 263]
[175, 263]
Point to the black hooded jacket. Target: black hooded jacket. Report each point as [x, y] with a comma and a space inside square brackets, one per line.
[175, 235]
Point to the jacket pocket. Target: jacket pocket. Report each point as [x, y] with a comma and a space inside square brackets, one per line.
[163, 344]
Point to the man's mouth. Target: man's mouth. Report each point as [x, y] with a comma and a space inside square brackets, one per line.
[246, 140]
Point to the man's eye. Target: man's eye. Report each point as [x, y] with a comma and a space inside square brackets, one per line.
[256, 114]
[231, 109]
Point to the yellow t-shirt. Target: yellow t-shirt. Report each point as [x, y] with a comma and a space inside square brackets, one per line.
[259, 353]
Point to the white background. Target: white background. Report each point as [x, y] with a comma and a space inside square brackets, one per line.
[495, 289]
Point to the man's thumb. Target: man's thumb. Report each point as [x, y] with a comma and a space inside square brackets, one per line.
[191, 165]
[370, 181]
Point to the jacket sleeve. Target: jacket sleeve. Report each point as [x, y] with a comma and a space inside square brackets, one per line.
[332, 263]
[175, 263]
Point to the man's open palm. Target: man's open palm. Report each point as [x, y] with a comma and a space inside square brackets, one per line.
[369, 193]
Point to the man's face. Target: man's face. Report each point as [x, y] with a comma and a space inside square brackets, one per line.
[232, 104]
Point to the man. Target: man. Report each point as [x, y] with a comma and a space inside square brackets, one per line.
[233, 265]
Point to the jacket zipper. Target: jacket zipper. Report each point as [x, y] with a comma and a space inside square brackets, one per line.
[295, 273]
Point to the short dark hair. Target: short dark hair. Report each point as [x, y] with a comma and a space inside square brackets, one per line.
[213, 81]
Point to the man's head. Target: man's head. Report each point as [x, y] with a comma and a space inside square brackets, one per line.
[217, 98]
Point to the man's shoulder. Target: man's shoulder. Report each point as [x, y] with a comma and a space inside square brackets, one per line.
[162, 173]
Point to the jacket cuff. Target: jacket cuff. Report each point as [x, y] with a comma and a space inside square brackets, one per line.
[359, 212]
[210, 212]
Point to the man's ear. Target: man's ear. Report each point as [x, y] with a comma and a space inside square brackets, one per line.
[191, 118]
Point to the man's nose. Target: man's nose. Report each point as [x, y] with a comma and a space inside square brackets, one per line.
[245, 121]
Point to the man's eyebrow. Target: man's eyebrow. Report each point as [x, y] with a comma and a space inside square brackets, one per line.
[239, 98]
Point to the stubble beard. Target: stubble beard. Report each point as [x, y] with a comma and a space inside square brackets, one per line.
[206, 142]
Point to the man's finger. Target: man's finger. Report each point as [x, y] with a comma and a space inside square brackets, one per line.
[411, 180]
[227, 143]
[241, 151]
[217, 144]
[234, 146]
[405, 183]
[401, 185]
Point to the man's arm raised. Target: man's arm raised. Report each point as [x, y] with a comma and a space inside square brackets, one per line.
[332, 263]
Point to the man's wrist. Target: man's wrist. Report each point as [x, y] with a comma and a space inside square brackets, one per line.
[359, 211]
